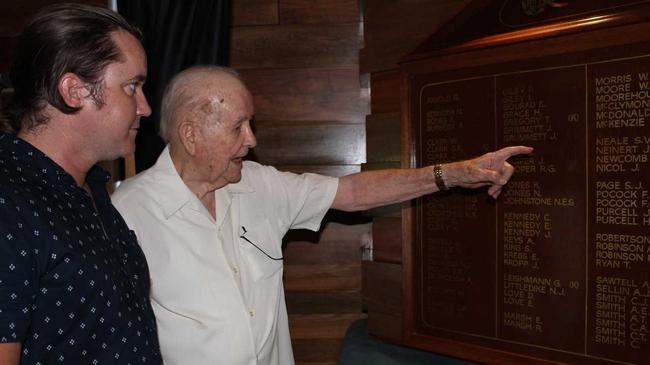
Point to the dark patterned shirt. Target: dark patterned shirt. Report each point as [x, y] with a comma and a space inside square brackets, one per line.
[74, 284]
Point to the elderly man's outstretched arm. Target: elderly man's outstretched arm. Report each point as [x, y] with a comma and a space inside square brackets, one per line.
[372, 189]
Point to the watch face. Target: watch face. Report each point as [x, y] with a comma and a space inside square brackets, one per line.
[437, 175]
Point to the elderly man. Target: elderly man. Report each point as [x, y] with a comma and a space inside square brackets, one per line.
[74, 284]
[211, 224]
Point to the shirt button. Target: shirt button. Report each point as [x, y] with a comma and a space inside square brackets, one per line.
[252, 312]
[235, 270]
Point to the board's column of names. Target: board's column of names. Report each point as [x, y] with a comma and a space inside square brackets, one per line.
[541, 202]
[454, 275]
[619, 206]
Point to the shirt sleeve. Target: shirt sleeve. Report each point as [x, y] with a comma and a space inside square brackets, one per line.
[306, 198]
[17, 275]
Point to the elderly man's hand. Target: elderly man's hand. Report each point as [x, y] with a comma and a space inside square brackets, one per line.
[490, 169]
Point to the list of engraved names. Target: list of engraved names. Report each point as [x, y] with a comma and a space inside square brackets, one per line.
[562, 266]
[620, 243]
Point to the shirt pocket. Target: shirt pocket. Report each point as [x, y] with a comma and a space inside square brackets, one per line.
[262, 252]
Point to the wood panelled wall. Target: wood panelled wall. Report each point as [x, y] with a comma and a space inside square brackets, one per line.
[300, 59]
[392, 29]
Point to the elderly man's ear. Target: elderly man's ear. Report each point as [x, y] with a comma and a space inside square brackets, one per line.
[188, 133]
[73, 90]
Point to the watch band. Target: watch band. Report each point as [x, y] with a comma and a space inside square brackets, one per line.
[437, 175]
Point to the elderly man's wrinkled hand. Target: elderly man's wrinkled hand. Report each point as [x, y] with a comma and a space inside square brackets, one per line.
[492, 169]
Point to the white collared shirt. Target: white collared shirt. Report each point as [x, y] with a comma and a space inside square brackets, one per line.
[218, 299]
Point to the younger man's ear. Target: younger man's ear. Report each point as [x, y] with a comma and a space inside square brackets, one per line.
[73, 90]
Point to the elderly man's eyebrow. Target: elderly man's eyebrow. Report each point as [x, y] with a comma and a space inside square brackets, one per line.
[245, 118]
[240, 121]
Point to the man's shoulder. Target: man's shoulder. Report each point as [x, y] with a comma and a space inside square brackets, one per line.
[137, 186]
[25, 198]
[252, 167]
[254, 173]
[12, 169]
[19, 186]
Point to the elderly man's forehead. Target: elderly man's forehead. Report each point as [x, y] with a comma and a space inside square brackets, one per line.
[219, 89]
[209, 92]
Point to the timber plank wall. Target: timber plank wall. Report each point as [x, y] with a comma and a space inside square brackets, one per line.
[300, 59]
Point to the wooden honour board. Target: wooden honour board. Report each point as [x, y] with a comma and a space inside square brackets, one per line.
[557, 270]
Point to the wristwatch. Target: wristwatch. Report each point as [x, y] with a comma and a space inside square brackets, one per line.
[437, 175]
